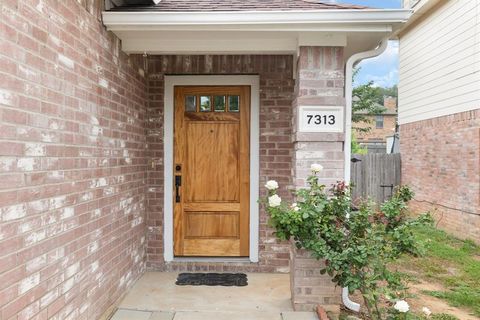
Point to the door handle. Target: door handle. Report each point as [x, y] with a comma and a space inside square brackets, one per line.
[178, 184]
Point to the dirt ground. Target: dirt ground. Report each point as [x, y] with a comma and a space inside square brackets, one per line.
[421, 300]
[436, 305]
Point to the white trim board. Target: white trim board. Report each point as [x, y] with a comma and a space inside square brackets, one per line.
[156, 20]
[170, 83]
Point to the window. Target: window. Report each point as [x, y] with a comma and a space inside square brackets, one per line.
[379, 122]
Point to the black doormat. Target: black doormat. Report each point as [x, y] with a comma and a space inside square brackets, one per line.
[212, 279]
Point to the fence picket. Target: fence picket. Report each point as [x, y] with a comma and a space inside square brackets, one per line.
[374, 171]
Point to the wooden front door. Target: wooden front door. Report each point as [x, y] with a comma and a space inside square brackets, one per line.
[212, 171]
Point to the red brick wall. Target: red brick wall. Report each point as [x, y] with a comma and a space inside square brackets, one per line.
[388, 130]
[276, 93]
[320, 81]
[441, 161]
[72, 162]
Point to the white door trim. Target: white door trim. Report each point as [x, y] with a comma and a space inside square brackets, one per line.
[189, 80]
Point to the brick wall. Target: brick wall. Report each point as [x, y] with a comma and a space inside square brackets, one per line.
[320, 81]
[309, 287]
[390, 103]
[276, 94]
[389, 123]
[441, 162]
[72, 162]
[388, 130]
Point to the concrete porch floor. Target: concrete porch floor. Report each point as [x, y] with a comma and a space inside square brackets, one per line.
[156, 297]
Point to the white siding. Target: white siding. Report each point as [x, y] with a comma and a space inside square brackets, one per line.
[440, 63]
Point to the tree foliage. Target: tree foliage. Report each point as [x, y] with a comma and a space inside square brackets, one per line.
[365, 103]
[368, 101]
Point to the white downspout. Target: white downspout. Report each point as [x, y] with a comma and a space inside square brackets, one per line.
[352, 61]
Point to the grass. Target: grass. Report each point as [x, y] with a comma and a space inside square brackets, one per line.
[453, 263]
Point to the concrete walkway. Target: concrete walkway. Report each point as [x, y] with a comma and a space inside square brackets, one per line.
[156, 297]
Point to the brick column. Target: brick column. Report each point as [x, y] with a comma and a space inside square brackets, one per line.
[309, 287]
[320, 82]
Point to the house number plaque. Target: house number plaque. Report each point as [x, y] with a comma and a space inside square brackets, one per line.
[320, 119]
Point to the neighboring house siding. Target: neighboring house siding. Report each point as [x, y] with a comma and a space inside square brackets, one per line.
[440, 62]
[439, 113]
[72, 162]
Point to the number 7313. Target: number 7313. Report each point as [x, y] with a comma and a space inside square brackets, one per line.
[321, 119]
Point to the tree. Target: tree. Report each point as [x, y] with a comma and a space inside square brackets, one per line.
[356, 147]
[365, 103]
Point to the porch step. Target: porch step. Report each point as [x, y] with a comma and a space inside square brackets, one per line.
[125, 314]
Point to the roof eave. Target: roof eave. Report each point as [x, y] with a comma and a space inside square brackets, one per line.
[288, 19]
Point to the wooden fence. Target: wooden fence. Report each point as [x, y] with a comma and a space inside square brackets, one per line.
[375, 176]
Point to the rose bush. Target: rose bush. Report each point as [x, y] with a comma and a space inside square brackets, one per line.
[357, 245]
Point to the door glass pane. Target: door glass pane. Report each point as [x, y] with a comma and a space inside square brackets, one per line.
[234, 103]
[205, 103]
[219, 103]
[190, 103]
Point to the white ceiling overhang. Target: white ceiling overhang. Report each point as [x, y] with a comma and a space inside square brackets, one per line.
[258, 32]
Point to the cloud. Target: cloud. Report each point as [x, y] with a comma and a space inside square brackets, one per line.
[389, 57]
[388, 80]
[382, 70]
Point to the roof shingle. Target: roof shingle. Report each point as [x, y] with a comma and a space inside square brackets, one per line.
[236, 5]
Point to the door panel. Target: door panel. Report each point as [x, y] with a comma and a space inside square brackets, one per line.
[212, 156]
[212, 171]
[211, 225]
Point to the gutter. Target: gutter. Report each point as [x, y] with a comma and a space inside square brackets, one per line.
[152, 19]
[352, 61]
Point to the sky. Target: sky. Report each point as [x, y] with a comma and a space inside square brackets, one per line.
[382, 70]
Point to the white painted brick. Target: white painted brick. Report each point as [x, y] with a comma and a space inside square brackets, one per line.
[6, 98]
[67, 62]
[73, 269]
[68, 284]
[35, 237]
[38, 206]
[49, 298]
[94, 266]
[7, 164]
[55, 40]
[35, 149]
[26, 164]
[102, 82]
[36, 263]
[92, 247]
[40, 6]
[57, 202]
[67, 213]
[28, 283]
[100, 182]
[25, 227]
[47, 137]
[14, 212]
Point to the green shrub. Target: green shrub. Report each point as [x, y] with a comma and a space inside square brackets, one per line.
[357, 246]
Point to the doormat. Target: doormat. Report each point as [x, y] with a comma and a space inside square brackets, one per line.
[212, 279]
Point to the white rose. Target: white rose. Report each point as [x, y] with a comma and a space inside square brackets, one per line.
[295, 206]
[272, 185]
[274, 201]
[426, 311]
[402, 306]
[316, 167]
